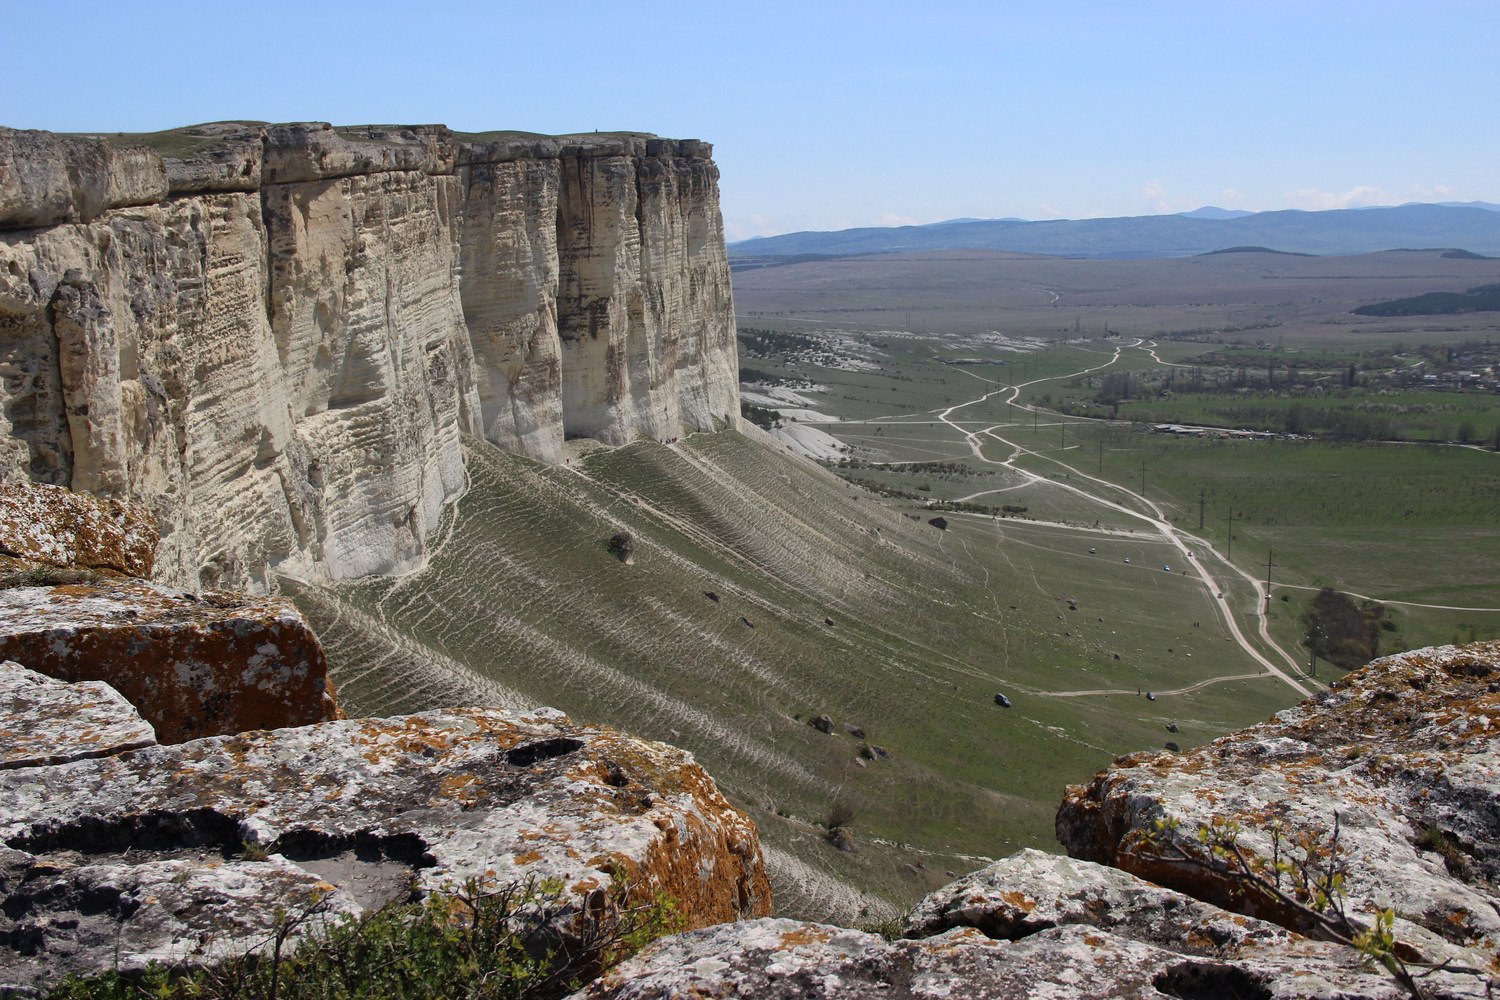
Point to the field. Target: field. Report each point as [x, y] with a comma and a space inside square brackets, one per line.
[1398, 521]
[763, 592]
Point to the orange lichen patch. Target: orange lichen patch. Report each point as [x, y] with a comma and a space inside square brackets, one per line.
[462, 787]
[1093, 941]
[530, 857]
[1019, 900]
[52, 525]
[807, 934]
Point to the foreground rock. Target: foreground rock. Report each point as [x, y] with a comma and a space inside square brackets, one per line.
[47, 721]
[1404, 754]
[192, 665]
[1033, 925]
[53, 526]
[147, 854]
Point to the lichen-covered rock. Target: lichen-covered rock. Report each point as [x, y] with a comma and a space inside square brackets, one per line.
[192, 665]
[278, 358]
[433, 801]
[85, 913]
[787, 960]
[47, 524]
[47, 721]
[1032, 891]
[1404, 754]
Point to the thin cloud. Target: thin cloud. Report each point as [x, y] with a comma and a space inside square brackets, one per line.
[1313, 199]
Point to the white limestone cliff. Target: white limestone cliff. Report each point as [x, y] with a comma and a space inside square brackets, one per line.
[274, 336]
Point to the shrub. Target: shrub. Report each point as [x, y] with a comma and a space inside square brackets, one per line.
[482, 942]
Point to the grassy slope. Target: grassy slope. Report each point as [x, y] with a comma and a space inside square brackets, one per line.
[523, 603]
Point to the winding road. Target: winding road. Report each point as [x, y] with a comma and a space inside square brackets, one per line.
[1188, 545]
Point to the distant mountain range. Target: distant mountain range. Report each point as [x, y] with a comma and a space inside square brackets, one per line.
[1473, 226]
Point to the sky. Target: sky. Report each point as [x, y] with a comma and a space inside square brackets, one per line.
[829, 115]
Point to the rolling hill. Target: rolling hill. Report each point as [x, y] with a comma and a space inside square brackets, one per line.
[1346, 231]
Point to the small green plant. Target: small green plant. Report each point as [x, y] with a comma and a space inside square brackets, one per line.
[253, 851]
[524, 940]
[1304, 878]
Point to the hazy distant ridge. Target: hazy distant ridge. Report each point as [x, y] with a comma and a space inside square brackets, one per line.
[1344, 231]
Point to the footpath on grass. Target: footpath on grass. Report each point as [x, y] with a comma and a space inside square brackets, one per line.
[1150, 513]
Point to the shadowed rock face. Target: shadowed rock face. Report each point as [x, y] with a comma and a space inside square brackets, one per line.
[273, 336]
[1405, 752]
[353, 813]
[192, 664]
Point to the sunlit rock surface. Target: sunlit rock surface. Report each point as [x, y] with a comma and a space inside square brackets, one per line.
[273, 336]
[781, 959]
[1404, 753]
[47, 721]
[52, 526]
[357, 811]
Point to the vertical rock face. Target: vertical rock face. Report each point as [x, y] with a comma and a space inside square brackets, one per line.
[273, 336]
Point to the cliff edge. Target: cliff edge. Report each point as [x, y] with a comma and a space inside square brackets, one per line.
[273, 336]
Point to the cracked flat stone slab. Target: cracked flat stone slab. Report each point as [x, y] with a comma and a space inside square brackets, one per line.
[451, 796]
[192, 664]
[47, 721]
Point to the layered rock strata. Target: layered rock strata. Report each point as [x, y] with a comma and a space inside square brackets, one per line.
[144, 855]
[273, 336]
[193, 665]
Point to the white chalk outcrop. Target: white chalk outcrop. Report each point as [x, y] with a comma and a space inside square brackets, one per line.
[274, 336]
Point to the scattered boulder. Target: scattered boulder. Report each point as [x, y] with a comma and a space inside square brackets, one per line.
[1173, 747]
[1171, 727]
[622, 546]
[858, 732]
[828, 622]
[842, 838]
[1002, 700]
[872, 752]
[711, 596]
[193, 665]
[821, 723]
[1031, 891]
[939, 522]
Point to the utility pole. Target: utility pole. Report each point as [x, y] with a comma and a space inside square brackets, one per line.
[1229, 546]
[1064, 437]
[1143, 479]
[1200, 510]
[1269, 554]
[1101, 454]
